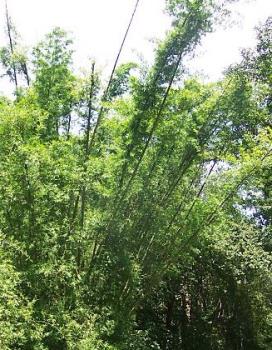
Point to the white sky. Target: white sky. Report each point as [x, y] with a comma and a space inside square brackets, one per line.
[98, 27]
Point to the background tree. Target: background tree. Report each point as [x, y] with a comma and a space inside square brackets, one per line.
[54, 80]
[13, 56]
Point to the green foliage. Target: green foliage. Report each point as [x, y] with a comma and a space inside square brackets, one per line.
[120, 81]
[13, 56]
[54, 81]
[149, 229]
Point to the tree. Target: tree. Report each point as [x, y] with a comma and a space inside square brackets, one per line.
[54, 81]
[13, 57]
[148, 228]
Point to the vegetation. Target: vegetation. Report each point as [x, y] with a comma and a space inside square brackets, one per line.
[136, 215]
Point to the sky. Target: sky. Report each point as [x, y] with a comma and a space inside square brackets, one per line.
[97, 27]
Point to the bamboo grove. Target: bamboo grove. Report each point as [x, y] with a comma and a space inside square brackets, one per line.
[136, 213]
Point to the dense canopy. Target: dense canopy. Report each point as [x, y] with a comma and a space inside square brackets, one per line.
[136, 213]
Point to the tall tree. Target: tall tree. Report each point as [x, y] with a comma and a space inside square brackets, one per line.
[54, 80]
[13, 56]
